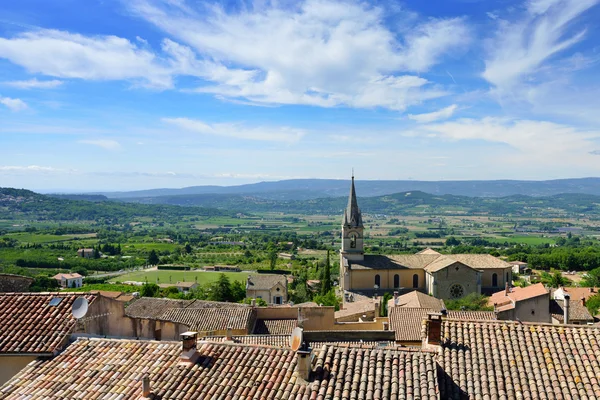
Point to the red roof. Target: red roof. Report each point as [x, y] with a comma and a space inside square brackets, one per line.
[31, 323]
[517, 294]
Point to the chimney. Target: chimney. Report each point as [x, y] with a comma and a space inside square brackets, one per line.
[229, 333]
[444, 312]
[146, 387]
[189, 355]
[303, 366]
[434, 328]
[396, 298]
[566, 308]
[385, 325]
[506, 289]
[253, 302]
[583, 301]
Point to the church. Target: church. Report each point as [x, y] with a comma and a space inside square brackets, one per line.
[442, 276]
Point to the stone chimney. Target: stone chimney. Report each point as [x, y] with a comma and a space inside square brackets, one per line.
[229, 333]
[303, 366]
[146, 393]
[566, 308]
[385, 325]
[434, 329]
[189, 355]
[583, 301]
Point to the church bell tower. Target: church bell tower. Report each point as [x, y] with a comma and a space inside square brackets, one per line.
[352, 229]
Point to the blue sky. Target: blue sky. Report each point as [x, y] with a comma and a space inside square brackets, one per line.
[132, 94]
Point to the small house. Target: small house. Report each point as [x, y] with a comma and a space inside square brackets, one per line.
[69, 280]
[270, 288]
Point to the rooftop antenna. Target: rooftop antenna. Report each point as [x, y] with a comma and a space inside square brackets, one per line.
[296, 338]
[79, 308]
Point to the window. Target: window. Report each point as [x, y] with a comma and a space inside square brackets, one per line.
[508, 279]
[456, 291]
[396, 281]
[378, 280]
[278, 299]
[415, 281]
[494, 280]
[353, 237]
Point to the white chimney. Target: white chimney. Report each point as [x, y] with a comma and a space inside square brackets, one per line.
[566, 308]
[253, 302]
[146, 387]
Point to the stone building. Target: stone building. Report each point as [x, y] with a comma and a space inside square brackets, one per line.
[10, 283]
[442, 276]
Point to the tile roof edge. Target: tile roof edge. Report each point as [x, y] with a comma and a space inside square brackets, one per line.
[527, 323]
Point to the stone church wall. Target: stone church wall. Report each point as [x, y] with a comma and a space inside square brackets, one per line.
[455, 274]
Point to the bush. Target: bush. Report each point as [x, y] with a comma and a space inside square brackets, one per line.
[471, 302]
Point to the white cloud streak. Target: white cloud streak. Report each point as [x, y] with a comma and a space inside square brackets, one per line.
[325, 53]
[520, 48]
[106, 144]
[272, 134]
[444, 113]
[34, 84]
[13, 104]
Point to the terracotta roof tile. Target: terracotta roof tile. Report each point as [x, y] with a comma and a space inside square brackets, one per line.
[275, 326]
[212, 319]
[509, 360]
[112, 369]
[153, 308]
[284, 341]
[517, 294]
[577, 311]
[29, 324]
[416, 299]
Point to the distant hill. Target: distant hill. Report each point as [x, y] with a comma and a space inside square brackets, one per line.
[305, 189]
[405, 203]
[20, 203]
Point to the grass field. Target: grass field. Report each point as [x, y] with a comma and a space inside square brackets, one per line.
[175, 276]
[531, 240]
[46, 238]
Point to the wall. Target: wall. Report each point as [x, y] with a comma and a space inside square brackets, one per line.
[255, 294]
[456, 273]
[10, 283]
[328, 336]
[361, 279]
[540, 305]
[486, 278]
[11, 365]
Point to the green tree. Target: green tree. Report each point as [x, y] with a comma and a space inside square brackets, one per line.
[471, 302]
[221, 289]
[258, 302]
[187, 248]
[272, 259]
[592, 278]
[81, 270]
[150, 290]
[554, 279]
[329, 299]
[593, 304]
[153, 257]
[384, 307]
[326, 277]
[238, 291]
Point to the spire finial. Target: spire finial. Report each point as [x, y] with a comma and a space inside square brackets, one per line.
[352, 173]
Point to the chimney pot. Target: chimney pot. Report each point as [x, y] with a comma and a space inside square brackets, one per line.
[303, 364]
[395, 294]
[188, 347]
[253, 302]
[146, 386]
[583, 301]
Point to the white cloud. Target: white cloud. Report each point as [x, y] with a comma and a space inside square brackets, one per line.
[68, 55]
[273, 134]
[320, 52]
[103, 143]
[28, 168]
[538, 141]
[13, 104]
[444, 113]
[520, 48]
[35, 84]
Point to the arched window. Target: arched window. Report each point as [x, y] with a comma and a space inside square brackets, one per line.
[378, 280]
[507, 279]
[415, 281]
[396, 281]
[494, 280]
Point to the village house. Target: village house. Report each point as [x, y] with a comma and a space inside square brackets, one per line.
[86, 253]
[442, 276]
[531, 303]
[69, 280]
[519, 267]
[568, 306]
[270, 288]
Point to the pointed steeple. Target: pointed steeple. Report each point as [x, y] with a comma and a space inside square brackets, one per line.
[352, 216]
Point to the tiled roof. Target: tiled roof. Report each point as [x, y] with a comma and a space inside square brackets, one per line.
[275, 326]
[429, 261]
[517, 294]
[153, 308]
[577, 311]
[428, 250]
[509, 360]
[67, 276]
[265, 281]
[357, 308]
[29, 324]
[216, 304]
[186, 284]
[113, 369]
[212, 319]
[401, 261]
[284, 341]
[416, 299]
[577, 293]
[407, 322]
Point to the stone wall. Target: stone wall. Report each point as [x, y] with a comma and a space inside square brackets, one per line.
[10, 283]
[455, 274]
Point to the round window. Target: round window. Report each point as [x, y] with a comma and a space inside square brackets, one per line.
[456, 291]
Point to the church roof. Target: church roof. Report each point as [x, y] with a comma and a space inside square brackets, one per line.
[352, 216]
